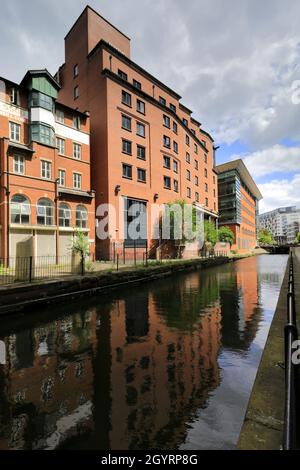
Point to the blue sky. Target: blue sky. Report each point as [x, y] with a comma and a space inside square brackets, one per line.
[235, 63]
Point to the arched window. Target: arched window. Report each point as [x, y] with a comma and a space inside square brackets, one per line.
[20, 210]
[81, 217]
[64, 215]
[45, 212]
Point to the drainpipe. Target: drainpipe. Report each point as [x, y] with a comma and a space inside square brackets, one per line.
[7, 206]
[56, 219]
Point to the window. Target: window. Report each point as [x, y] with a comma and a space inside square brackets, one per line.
[81, 217]
[196, 164]
[38, 99]
[167, 162]
[45, 212]
[206, 202]
[196, 148]
[185, 121]
[187, 140]
[77, 151]
[188, 192]
[175, 147]
[205, 158]
[60, 143]
[77, 180]
[126, 122]
[214, 179]
[167, 182]
[61, 177]
[140, 106]
[127, 171]
[14, 131]
[206, 188]
[75, 71]
[76, 92]
[188, 157]
[193, 131]
[127, 147]
[205, 172]
[166, 141]
[122, 75]
[172, 107]
[43, 134]
[126, 98]
[141, 175]
[140, 129]
[162, 101]
[197, 196]
[14, 96]
[188, 175]
[196, 181]
[175, 166]
[76, 122]
[175, 127]
[132, 209]
[215, 206]
[214, 193]
[19, 164]
[60, 116]
[166, 121]
[141, 152]
[137, 84]
[64, 215]
[19, 210]
[176, 186]
[46, 170]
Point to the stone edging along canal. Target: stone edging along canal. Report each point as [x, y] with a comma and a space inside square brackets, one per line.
[24, 297]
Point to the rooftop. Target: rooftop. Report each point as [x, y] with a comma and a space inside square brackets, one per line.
[241, 168]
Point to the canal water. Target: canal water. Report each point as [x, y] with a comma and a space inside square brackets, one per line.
[167, 365]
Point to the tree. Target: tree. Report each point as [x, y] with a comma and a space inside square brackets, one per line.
[81, 244]
[210, 233]
[177, 222]
[265, 237]
[297, 239]
[226, 235]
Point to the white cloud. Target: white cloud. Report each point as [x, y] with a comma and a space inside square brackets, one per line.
[276, 159]
[280, 193]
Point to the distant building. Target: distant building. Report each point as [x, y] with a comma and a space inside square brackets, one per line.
[45, 190]
[283, 223]
[238, 203]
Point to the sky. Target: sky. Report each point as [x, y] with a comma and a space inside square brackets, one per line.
[236, 63]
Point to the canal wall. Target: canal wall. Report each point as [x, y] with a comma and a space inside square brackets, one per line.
[26, 297]
[264, 419]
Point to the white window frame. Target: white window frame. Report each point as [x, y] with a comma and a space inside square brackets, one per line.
[46, 170]
[19, 164]
[58, 140]
[77, 180]
[14, 131]
[60, 173]
[76, 151]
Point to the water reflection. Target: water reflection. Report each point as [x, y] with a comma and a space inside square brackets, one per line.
[133, 371]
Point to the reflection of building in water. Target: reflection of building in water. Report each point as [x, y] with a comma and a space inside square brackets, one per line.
[134, 378]
[160, 380]
[47, 384]
[239, 303]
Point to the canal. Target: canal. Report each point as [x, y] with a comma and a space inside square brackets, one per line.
[167, 365]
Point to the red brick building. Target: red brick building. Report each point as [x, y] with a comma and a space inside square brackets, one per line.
[45, 168]
[145, 145]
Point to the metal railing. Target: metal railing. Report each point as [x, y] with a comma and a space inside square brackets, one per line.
[36, 268]
[291, 420]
